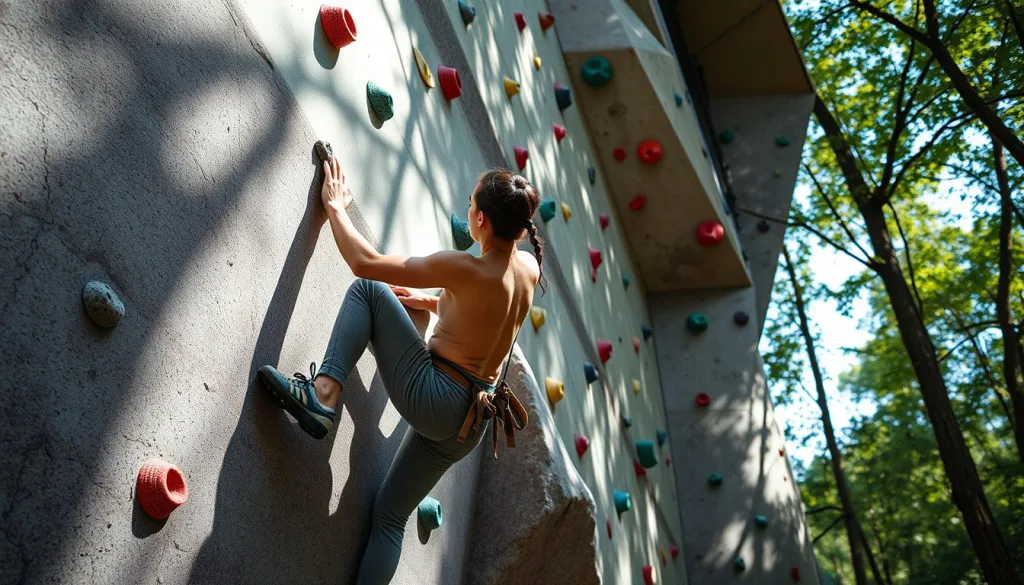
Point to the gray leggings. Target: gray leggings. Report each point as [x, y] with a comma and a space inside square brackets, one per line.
[431, 401]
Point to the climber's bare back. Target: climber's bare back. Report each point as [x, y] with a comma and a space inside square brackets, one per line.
[479, 318]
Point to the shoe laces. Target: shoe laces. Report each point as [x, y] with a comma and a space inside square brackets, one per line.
[302, 379]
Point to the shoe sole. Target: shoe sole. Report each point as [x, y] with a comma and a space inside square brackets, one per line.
[292, 406]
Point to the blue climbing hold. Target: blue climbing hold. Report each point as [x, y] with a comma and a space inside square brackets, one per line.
[646, 331]
[590, 371]
[430, 513]
[627, 421]
[662, 437]
[592, 175]
[548, 207]
[468, 12]
[460, 234]
[625, 280]
[679, 100]
[645, 453]
[563, 96]
[623, 502]
[381, 102]
[761, 521]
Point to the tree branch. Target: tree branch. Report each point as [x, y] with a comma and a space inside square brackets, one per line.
[835, 213]
[919, 306]
[910, 31]
[810, 228]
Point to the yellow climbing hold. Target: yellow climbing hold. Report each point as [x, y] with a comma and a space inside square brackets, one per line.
[511, 87]
[536, 62]
[566, 212]
[538, 316]
[556, 390]
[636, 386]
[424, 69]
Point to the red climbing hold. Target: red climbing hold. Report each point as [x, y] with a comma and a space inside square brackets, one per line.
[521, 156]
[782, 452]
[338, 25]
[673, 550]
[649, 152]
[451, 85]
[638, 469]
[604, 350]
[603, 220]
[595, 258]
[581, 445]
[668, 460]
[710, 233]
[160, 488]
[703, 399]
[559, 132]
[619, 153]
[520, 21]
[547, 20]
[608, 527]
[794, 574]
[636, 344]
[648, 572]
[638, 202]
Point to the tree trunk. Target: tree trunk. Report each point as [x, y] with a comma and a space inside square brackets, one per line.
[1017, 21]
[967, 490]
[1010, 342]
[853, 530]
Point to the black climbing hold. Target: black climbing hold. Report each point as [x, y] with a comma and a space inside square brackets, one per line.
[592, 175]
[323, 151]
[740, 318]
[727, 136]
[646, 331]
[763, 226]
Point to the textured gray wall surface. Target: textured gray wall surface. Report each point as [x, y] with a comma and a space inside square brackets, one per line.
[155, 148]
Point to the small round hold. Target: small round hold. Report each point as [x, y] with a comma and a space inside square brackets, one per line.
[537, 62]
[160, 488]
[781, 141]
[648, 572]
[563, 96]
[776, 173]
[638, 469]
[603, 220]
[697, 322]
[646, 331]
[636, 344]
[595, 258]
[548, 207]
[623, 501]
[590, 372]
[566, 211]
[429, 513]
[546, 20]
[538, 316]
[636, 386]
[520, 21]
[726, 136]
[559, 131]
[637, 203]
[555, 389]
[679, 100]
[592, 175]
[739, 565]
[521, 155]
[338, 25]
[582, 444]
[662, 437]
[664, 557]
[703, 400]
[673, 550]
[596, 71]
[460, 234]
[710, 233]
[740, 318]
[511, 86]
[604, 350]
[625, 280]
[763, 226]
[794, 573]
[761, 521]
[381, 102]
[619, 154]
[715, 479]
[649, 152]
[608, 527]
[668, 460]
[102, 304]
[451, 84]
[467, 12]
[626, 421]
[782, 452]
[323, 151]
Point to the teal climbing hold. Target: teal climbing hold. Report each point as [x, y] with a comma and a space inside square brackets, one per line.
[781, 141]
[625, 280]
[548, 207]
[460, 234]
[623, 502]
[739, 565]
[590, 371]
[726, 136]
[430, 513]
[715, 479]
[645, 453]
[467, 11]
[697, 322]
[662, 437]
[761, 521]
[627, 421]
[679, 100]
[597, 71]
[380, 101]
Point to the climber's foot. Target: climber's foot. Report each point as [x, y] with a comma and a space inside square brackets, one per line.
[323, 151]
[298, 397]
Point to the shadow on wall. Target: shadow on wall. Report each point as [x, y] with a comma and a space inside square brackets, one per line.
[141, 183]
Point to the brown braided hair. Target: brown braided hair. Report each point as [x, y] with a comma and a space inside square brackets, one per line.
[510, 202]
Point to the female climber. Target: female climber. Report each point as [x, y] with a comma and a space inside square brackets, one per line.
[445, 387]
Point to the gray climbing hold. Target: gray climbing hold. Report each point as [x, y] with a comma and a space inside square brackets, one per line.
[597, 71]
[323, 151]
[102, 304]
[727, 136]
[430, 513]
[468, 12]
[381, 102]
[460, 234]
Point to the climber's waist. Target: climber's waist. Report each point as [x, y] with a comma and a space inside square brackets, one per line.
[468, 381]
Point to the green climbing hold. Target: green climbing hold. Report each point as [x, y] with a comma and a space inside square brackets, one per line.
[430, 513]
[679, 100]
[645, 453]
[781, 141]
[697, 322]
[625, 280]
[715, 479]
[761, 521]
[726, 136]
[460, 234]
[623, 502]
[547, 209]
[381, 101]
[739, 565]
[597, 71]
